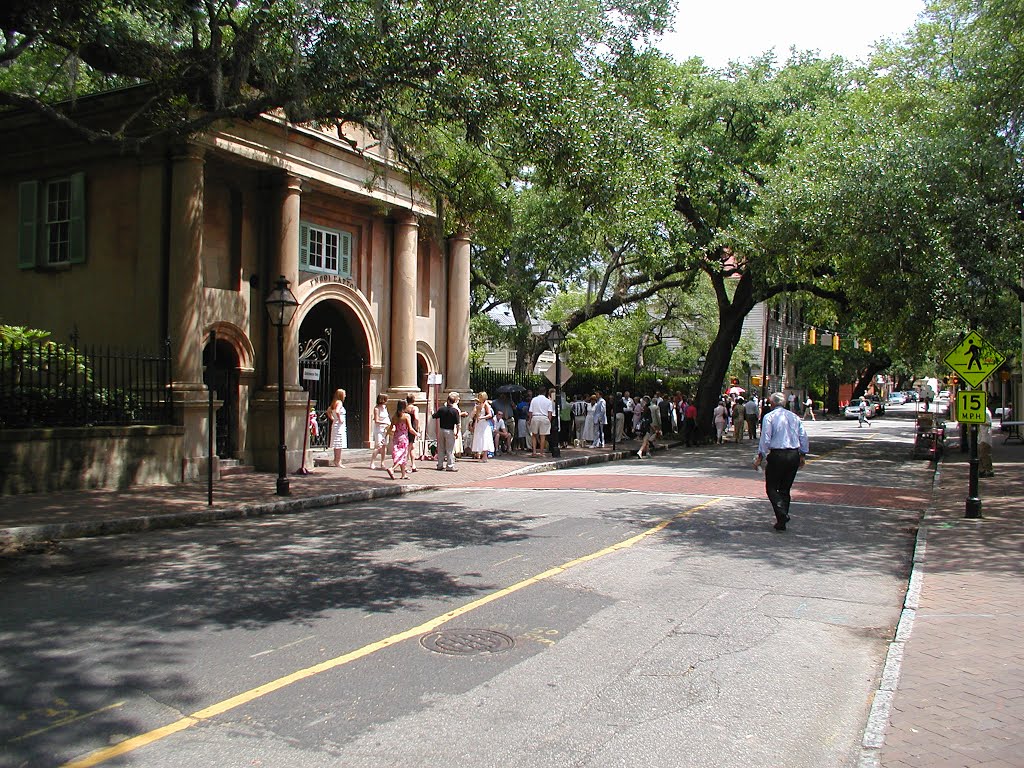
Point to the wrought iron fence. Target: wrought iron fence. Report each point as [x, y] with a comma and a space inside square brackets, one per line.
[46, 384]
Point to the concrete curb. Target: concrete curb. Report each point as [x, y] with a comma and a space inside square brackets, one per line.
[12, 539]
[79, 529]
[882, 701]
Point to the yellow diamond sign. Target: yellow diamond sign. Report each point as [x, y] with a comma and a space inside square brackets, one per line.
[974, 359]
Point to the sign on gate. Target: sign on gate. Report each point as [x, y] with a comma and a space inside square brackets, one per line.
[311, 374]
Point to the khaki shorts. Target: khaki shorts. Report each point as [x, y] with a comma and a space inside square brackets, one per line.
[540, 426]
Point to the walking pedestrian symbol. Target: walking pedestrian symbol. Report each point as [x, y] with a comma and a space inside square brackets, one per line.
[974, 359]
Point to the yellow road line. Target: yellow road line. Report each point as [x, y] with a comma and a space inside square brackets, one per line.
[137, 742]
[67, 721]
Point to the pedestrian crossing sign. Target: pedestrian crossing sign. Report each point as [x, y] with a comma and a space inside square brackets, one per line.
[974, 359]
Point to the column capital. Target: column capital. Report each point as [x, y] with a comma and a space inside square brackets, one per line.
[407, 218]
[462, 234]
[185, 152]
[291, 184]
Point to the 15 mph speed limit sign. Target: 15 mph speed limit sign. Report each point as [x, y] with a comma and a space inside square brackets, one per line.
[971, 406]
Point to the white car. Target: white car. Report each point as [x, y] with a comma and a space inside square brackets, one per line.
[897, 398]
[852, 411]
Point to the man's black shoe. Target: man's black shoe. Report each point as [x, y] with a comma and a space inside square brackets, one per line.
[779, 526]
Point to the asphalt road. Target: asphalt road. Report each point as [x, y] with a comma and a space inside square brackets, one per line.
[639, 613]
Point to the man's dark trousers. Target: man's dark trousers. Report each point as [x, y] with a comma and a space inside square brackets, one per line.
[780, 470]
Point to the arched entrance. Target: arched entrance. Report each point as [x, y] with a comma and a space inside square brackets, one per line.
[422, 369]
[221, 363]
[333, 354]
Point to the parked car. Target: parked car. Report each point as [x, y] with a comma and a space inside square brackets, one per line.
[878, 403]
[897, 398]
[912, 396]
[852, 411]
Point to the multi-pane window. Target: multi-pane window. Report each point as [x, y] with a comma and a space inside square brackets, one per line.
[58, 221]
[51, 222]
[325, 250]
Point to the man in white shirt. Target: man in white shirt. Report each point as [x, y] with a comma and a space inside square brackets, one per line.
[782, 447]
[750, 409]
[539, 422]
[985, 468]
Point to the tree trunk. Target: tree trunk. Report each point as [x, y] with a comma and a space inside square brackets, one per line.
[832, 396]
[521, 315]
[731, 315]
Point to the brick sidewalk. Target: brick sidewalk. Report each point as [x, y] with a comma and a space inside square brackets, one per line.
[960, 697]
[41, 517]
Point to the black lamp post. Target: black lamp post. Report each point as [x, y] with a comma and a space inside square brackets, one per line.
[281, 306]
[555, 338]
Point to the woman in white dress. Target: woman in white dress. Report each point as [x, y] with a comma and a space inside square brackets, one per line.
[483, 436]
[588, 425]
[339, 428]
[380, 419]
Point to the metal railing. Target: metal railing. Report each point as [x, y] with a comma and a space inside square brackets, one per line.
[46, 384]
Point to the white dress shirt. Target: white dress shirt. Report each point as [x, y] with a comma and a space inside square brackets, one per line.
[781, 428]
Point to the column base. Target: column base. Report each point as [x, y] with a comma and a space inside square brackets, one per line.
[191, 408]
[263, 428]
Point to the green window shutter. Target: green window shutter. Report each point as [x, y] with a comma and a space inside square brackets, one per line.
[303, 246]
[28, 224]
[76, 252]
[345, 254]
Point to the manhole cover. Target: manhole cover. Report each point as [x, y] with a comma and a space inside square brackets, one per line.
[466, 642]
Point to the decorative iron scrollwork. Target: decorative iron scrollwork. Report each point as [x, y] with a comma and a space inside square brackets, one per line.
[316, 349]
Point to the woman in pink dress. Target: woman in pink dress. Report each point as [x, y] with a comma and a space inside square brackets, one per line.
[402, 431]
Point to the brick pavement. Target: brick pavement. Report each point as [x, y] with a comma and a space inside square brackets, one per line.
[960, 696]
[41, 517]
[752, 487]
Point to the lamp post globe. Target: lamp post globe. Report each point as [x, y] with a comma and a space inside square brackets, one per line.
[281, 305]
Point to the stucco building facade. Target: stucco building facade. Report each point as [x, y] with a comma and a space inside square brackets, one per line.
[183, 239]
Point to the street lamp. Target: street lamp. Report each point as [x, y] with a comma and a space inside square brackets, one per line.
[281, 306]
[555, 338]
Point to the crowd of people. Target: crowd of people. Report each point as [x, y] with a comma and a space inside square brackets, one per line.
[532, 421]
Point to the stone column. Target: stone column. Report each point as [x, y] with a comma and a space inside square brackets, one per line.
[263, 409]
[286, 262]
[185, 307]
[185, 288]
[457, 375]
[403, 306]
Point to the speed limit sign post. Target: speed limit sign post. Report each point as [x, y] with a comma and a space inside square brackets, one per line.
[971, 406]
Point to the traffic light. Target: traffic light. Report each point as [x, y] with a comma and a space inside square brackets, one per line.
[867, 345]
[812, 336]
[835, 342]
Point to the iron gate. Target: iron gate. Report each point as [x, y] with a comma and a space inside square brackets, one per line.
[321, 375]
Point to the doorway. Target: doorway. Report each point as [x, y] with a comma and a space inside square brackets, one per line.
[221, 363]
[333, 355]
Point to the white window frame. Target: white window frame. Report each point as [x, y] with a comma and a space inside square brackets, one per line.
[320, 246]
[57, 222]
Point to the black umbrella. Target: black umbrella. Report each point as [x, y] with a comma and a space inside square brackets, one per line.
[509, 389]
